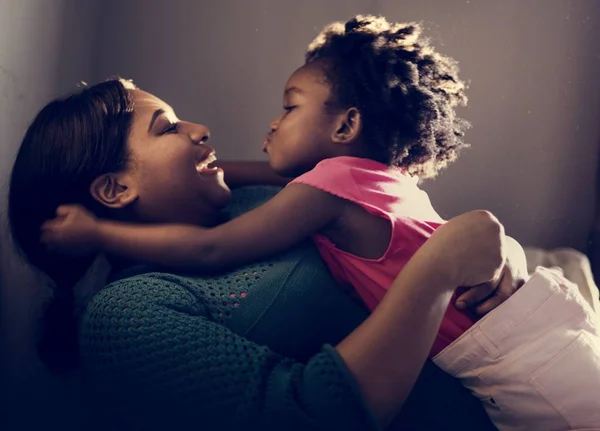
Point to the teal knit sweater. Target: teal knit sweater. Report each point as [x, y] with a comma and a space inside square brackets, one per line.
[246, 350]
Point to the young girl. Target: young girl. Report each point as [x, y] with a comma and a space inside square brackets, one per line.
[370, 111]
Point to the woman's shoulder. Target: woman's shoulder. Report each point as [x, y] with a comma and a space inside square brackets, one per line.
[137, 296]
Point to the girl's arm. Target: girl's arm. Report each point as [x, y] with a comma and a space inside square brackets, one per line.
[238, 174]
[292, 215]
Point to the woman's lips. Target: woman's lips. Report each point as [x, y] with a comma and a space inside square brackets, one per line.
[203, 166]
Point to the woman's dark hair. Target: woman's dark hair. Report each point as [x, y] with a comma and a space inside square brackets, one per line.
[405, 91]
[71, 142]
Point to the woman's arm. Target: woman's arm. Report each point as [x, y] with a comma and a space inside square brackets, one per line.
[238, 174]
[392, 345]
[172, 365]
[154, 353]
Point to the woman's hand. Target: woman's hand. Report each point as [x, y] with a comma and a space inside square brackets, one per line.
[468, 250]
[485, 297]
[73, 232]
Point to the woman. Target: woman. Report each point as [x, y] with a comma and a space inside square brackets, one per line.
[245, 350]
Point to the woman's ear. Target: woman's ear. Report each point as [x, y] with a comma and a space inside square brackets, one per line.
[114, 190]
[348, 127]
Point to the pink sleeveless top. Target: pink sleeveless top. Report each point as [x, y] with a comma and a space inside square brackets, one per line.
[385, 192]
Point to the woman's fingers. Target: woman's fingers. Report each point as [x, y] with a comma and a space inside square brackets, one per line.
[488, 305]
[509, 284]
[475, 295]
[485, 297]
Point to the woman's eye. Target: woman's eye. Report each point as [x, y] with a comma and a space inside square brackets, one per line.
[172, 128]
[288, 108]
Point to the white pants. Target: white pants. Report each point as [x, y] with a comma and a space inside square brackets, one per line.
[534, 361]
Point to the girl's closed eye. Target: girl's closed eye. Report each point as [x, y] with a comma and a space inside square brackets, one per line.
[288, 108]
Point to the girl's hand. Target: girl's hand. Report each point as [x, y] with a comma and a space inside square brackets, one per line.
[73, 232]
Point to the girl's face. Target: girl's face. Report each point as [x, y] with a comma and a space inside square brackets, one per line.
[169, 162]
[300, 136]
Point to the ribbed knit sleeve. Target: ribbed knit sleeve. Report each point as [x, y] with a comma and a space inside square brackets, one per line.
[151, 347]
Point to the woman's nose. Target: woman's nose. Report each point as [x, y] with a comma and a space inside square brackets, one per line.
[200, 134]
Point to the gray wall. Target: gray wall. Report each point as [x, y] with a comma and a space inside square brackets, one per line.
[44, 51]
[533, 67]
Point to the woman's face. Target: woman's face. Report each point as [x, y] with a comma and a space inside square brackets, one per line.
[168, 168]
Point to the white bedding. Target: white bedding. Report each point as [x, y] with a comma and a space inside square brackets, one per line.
[574, 265]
